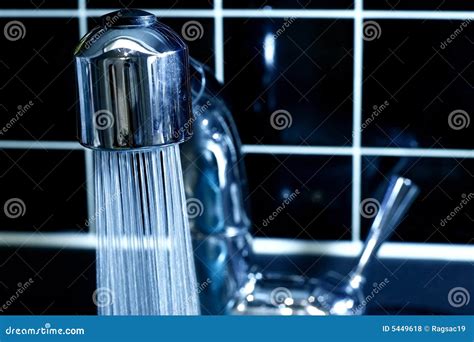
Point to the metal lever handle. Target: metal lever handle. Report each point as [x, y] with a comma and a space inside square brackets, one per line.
[398, 198]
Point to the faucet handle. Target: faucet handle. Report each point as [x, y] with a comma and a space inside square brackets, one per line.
[133, 81]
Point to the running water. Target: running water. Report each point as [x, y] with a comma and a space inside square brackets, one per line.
[145, 260]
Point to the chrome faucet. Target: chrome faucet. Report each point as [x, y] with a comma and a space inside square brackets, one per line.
[216, 190]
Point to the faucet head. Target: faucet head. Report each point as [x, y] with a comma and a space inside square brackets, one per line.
[133, 80]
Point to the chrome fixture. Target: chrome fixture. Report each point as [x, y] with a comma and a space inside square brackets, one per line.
[216, 189]
[332, 294]
[135, 108]
[133, 77]
[335, 297]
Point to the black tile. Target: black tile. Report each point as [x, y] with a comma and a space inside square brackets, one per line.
[424, 78]
[446, 188]
[451, 5]
[197, 33]
[46, 186]
[278, 4]
[39, 68]
[38, 4]
[169, 4]
[307, 197]
[53, 281]
[298, 70]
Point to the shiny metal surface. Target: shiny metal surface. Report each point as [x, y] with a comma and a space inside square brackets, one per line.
[336, 295]
[133, 80]
[332, 294]
[215, 180]
[275, 294]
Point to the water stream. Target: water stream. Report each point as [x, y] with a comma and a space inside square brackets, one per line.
[145, 260]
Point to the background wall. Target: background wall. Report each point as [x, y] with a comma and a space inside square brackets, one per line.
[331, 98]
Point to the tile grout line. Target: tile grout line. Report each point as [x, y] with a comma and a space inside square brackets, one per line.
[358, 14]
[88, 162]
[357, 120]
[275, 149]
[219, 40]
[255, 13]
[268, 246]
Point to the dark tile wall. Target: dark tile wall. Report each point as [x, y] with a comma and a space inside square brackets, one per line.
[303, 80]
[167, 4]
[42, 190]
[38, 4]
[300, 197]
[433, 5]
[293, 4]
[291, 72]
[39, 69]
[306, 72]
[446, 189]
[434, 78]
[54, 281]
